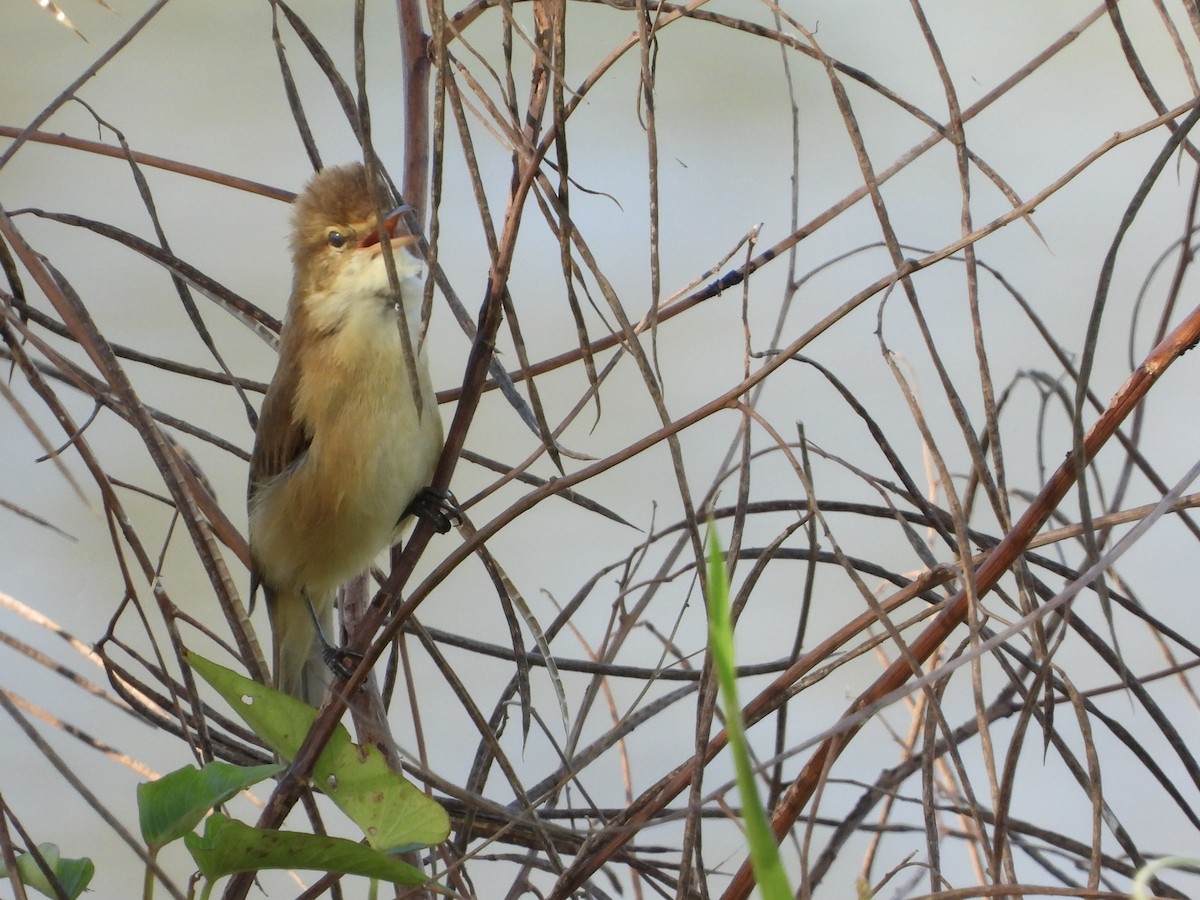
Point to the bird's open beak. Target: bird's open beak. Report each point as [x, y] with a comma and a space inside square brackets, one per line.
[391, 222]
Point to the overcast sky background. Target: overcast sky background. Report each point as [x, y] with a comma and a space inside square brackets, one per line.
[201, 85]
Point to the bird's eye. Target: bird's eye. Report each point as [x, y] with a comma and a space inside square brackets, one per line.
[336, 239]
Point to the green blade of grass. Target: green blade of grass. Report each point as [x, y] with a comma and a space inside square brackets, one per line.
[764, 854]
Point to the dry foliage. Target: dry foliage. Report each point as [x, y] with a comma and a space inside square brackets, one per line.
[934, 629]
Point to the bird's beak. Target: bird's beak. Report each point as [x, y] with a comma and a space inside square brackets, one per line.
[391, 222]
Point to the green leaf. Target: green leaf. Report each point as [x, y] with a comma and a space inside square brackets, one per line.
[229, 846]
[279, 719]
[764, 853]
[74, 875]
[392, 813]
[173, 805]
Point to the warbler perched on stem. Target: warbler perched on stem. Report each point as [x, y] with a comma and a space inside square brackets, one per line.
[342, 447]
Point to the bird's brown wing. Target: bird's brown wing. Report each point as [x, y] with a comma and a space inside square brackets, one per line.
[280, 442]
[281, 439]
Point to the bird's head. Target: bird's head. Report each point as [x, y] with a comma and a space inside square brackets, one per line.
[336, 233]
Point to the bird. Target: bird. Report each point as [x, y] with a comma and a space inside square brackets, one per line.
[342, 448]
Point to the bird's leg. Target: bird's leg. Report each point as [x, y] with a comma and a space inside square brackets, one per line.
[438, 508]
[333, 655]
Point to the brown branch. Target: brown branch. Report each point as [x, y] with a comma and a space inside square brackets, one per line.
[98, 148]
[999, 561]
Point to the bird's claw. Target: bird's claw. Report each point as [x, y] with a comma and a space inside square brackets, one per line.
[438, 508]
[335, 658]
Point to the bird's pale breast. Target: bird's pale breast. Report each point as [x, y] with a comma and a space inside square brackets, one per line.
[370, 441]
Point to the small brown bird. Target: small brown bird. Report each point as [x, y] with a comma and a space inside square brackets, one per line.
[342, 449]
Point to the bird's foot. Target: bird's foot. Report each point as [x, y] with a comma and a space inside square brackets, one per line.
[438, 508]
[341, 661]
[332, 655]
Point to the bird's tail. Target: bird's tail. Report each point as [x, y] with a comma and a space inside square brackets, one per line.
[300, 668]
